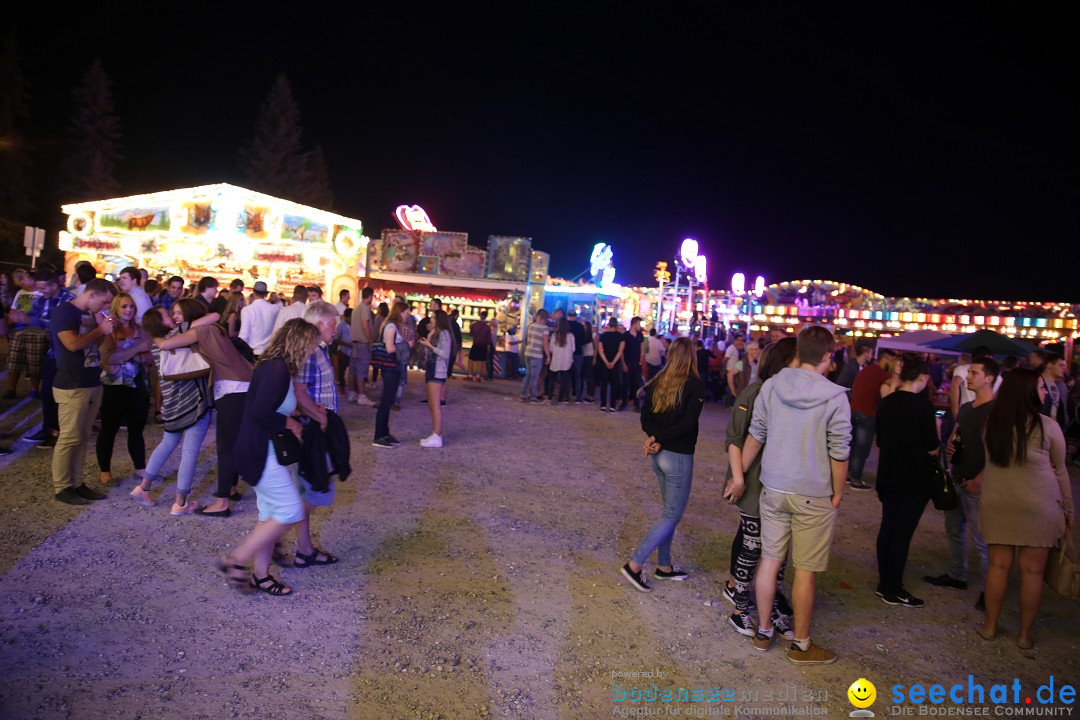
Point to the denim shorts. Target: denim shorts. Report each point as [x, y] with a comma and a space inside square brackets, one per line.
[429, 375]
[360, 359]
[313, 497]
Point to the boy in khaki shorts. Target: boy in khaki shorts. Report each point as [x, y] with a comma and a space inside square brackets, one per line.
[808, 422]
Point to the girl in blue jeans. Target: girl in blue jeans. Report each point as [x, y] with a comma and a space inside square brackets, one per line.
[669, 416]
[185, 408]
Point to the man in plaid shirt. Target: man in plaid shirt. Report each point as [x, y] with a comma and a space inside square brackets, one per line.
[316, 392]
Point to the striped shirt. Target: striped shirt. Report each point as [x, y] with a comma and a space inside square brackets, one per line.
[534, 341]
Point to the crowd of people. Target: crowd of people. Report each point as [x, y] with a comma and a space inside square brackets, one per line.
[271, 378]
[796, 440]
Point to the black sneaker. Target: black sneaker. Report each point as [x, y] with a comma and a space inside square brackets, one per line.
[858, 485]
[392, 440]
[603, 409]
[980, 604]
[729, 594]
[48, 443]
[675, 574]
[4, 451]
[9, 395]
[89, 494]
[880, 592]
[743, 624]
[69, 496]
[637, 579]
[903, 599]
[538, 401]
[945, 580]
[37, 437]
[383, 443]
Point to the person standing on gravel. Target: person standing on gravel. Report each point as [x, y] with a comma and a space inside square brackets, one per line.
[670, 409]
[744, 490]
[808, 422]
[78, 327]
[268, 414]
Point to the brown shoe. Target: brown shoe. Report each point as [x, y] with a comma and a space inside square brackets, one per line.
[813, 655]
[763, 642]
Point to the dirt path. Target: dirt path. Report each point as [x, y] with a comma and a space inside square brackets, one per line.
[478, 581]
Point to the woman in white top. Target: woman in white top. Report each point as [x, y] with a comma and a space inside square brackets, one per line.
[440, 343]
[562, 360]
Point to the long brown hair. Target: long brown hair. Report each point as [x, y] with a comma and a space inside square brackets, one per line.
[1014, 418]
[233, 306]
[562, 332]
[442, 324]
[293, 343]
[776, 356]
[667, 386]
[395, 315]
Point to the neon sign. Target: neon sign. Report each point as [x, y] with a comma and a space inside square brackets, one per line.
[600, 267]
[738, 283]
[414, 218]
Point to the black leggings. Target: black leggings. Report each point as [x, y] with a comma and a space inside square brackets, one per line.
[230, 411]
[900, 513]
[745, 556]
[122, 405]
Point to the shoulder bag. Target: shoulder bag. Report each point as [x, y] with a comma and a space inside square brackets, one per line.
[183, 364]
[1063, 568]
[287, 447]
[942, 489]
[380, 357]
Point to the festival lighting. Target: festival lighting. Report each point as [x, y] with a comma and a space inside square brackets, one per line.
[414, 217]
[689, 253]
[759, 286]
[699, 269]
[738, 283]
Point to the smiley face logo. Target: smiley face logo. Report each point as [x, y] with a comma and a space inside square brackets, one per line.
[862, 693]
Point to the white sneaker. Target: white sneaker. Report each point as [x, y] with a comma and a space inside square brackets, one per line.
[432, 441]
[362, 400]
[350, 397]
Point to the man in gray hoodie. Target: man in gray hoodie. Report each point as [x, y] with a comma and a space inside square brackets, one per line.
[807, 421]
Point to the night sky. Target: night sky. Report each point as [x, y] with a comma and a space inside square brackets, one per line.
[911, 152]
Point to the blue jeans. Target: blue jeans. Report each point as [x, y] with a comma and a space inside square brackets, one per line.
[956, 524]
[192, 439]
[862, 439]
[391, 380]
[674, 472]
[533, 366]
[579, 386]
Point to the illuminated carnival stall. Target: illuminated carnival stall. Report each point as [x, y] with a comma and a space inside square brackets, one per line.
[219, 230]
[419, 262]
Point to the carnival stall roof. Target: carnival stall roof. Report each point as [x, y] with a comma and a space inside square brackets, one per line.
[996, 343]
[917, 341]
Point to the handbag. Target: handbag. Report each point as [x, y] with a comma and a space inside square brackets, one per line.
[287, 447]
[183, 364]
[380, 357]
[942, 489]
[1063, 568]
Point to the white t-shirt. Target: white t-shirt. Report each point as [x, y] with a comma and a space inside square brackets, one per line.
[731, 359]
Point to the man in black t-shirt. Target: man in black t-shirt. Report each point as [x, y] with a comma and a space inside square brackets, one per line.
[632, 363]
[77, 329]
[967, 452]
[580, 336]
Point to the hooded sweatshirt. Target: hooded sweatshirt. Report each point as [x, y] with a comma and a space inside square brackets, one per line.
[807, 421]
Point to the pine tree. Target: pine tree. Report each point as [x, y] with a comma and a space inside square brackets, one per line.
[89, 171]
[15, 163]
[273, 160]
[318, 192]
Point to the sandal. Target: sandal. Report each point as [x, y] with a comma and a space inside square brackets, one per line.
[236, 575]
[275, 587]
[303, 561]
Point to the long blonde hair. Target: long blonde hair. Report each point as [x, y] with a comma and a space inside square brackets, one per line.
[667, 386]
[293, 342]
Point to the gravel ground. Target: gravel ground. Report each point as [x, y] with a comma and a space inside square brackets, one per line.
[476, 581]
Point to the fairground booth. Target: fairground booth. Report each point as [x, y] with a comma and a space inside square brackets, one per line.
[219, 230]
[595, 296]
[419, 262]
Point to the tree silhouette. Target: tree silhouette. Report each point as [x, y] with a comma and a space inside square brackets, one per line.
[15, 163]
[89, 170]
[273, 161]
[318, 192]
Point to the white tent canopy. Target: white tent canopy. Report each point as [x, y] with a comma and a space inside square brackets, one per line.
[915, 341]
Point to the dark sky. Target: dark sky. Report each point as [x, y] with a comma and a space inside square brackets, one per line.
[909, 151]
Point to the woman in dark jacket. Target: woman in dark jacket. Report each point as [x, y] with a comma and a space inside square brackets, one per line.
[268, 409]
[908, 438]
[669, 416]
